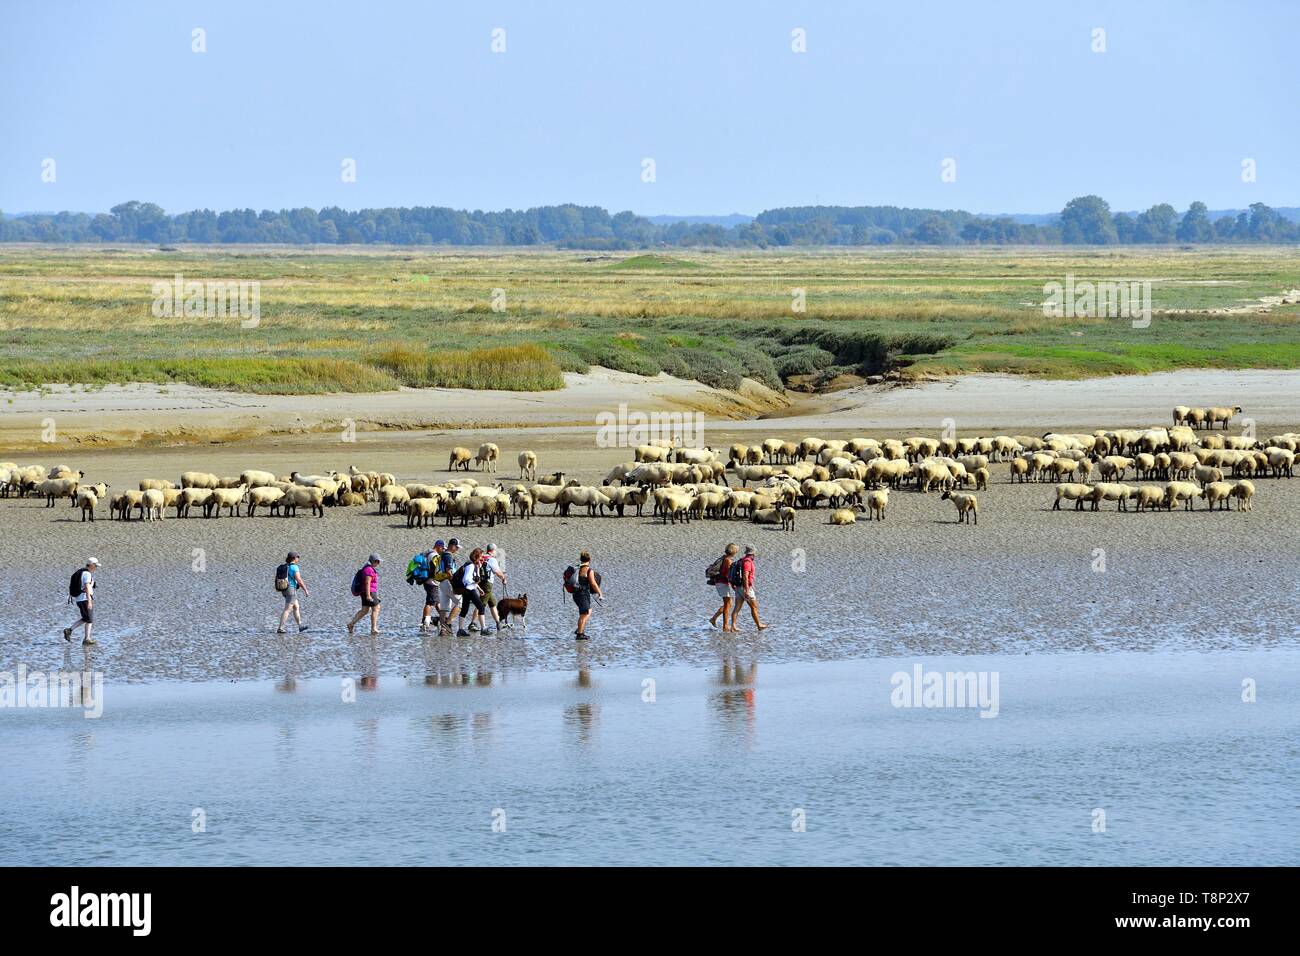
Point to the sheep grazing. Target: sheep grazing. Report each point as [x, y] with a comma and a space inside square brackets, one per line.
[459, 459]
[527, 466]
[1110, 491]
[1244, 492]
[1182, 491]
[1147, 497]
[968, 508]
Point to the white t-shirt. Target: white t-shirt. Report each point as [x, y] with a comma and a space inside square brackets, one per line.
[493, 567]
[469, 576]
[87, 586]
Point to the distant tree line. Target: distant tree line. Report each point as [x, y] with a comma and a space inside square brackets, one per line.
[1086, 220]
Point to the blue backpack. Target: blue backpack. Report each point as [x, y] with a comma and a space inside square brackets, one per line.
[417, 570]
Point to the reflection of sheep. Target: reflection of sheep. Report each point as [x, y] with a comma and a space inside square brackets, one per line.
[459, 458]
[527, 466]
[968, 508]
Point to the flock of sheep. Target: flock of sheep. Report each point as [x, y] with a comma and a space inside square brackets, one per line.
[765, 483]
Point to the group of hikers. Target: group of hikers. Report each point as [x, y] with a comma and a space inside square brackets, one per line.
[469, 584]
[450, 582]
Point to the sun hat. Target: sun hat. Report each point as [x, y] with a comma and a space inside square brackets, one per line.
[376, 559]
[749, 549]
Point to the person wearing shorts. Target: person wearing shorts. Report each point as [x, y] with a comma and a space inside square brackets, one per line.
[446, 593]
[492, 565]
[744, 593]
[291, 604]
[85, 603]
[585, 588]
[431, 590]
[723, 589]
[369, 595]
[470, 594]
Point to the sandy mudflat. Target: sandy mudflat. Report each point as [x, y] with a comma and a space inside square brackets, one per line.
[176, 414]
[1022, 581]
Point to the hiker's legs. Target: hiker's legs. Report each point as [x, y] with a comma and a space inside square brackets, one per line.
[582, 621]
[374, 618]
[722, 612]
[358, 616]
[753, 609]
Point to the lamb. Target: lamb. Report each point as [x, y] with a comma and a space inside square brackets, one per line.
[968, 508]
[843, 516]
[1244, 492]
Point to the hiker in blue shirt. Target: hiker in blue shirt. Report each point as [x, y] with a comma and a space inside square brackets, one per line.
[288, 581]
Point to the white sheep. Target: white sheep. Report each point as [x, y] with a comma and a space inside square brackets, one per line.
[527, 466]
[487, 456]
[968, 508]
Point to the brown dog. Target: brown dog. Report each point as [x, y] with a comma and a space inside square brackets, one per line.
[516, 606]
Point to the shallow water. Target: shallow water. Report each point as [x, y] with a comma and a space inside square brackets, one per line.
[582, 769]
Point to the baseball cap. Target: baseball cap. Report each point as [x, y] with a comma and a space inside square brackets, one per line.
[454, 543]
[94, 561]
[292, 556]
[440, 543]
[376, 559]
[749, 549]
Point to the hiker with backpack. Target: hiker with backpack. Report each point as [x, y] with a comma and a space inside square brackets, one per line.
[444, 570]
[365, 585]
[492, 569]
[467, 583]
[583, 584]
[288, 581]
[81, 589]
[741, 579]
[718, 574]
[419, 571]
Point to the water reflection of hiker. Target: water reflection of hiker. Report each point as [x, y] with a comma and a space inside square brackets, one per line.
[584, 584]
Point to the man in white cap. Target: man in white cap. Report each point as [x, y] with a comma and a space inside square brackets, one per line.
[82, 589]
[492, 564]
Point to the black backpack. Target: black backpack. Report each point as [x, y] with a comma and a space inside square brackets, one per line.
[282, 578]
[736, 576]
[74, 585]
[359, 582]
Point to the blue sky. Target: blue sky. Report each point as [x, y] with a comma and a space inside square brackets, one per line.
[584, 92]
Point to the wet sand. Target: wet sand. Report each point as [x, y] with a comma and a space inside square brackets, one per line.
[581, 769]
[1021, 581]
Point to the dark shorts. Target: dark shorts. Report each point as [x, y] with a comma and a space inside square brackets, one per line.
[86, 611]
[431, 592]
[583, 600]
[471, 598]
[370, 601]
